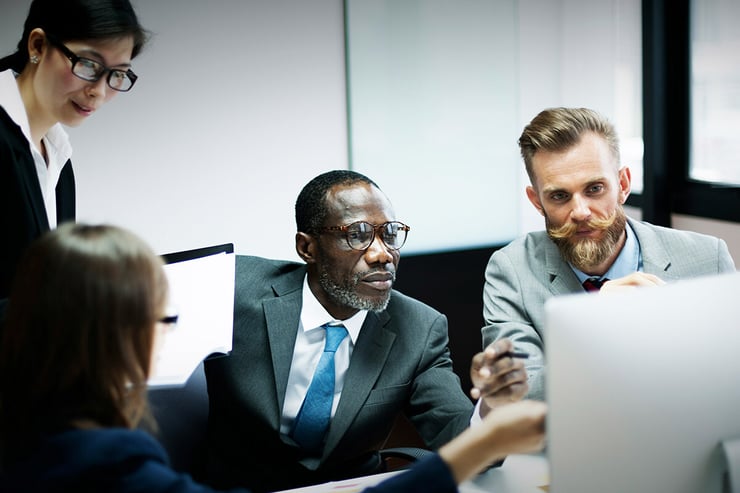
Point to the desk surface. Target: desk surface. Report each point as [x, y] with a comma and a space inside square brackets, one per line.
[518, 474]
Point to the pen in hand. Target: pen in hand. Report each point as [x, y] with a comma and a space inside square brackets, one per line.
[475, 392]
[515, 354]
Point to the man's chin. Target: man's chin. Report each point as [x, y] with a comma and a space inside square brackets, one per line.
[587, 255]
[375, 300]
[376, 304]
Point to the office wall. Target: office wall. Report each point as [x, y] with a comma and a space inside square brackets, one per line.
[433, 88]
[239, 103]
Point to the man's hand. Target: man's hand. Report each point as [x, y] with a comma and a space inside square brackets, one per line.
[497, 378]
[636, 279]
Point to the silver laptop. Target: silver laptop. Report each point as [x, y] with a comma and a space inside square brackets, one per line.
[643, 386]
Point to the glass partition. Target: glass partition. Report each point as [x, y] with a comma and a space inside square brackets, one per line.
[439, 91]
[432, 91]
[715, 91]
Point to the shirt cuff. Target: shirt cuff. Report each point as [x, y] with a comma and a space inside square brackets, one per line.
[476, 418]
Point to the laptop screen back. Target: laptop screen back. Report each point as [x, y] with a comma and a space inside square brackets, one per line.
[642, 387]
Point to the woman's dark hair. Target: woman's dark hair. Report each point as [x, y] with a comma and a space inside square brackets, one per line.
[79, 333]
[70, 20]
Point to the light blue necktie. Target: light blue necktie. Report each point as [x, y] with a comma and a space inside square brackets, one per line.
[313, 418]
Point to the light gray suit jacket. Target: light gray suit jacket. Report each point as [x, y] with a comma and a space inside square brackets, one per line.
[523, 275]
[400, 364]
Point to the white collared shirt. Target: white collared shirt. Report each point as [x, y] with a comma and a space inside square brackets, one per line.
[56, 141]
[309, 345]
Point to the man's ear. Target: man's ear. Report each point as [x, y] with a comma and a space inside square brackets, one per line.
[625, 184]
[305, 247]
[535, 199]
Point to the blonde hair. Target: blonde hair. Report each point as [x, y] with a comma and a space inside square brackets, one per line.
[557, 129]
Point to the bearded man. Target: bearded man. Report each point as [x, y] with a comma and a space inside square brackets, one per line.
[269, 426]
[579, 185]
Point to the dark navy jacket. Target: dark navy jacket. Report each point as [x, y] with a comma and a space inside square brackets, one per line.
[127, 461]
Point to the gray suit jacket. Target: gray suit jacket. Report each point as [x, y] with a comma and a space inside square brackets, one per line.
[400, 364]
[523, 275]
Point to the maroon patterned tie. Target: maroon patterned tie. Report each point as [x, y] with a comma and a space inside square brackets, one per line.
[593, 283]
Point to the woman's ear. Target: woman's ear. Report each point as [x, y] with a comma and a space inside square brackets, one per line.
[36, 43]
[305, 247]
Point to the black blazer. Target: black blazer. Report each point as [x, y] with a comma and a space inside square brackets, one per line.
[22, 213]
[400, 364]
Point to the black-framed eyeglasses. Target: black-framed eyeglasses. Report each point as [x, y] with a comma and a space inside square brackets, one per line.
[361, 234]
[93, 71]
[169, 320]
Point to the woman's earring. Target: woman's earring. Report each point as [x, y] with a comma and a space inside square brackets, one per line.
[34, 59]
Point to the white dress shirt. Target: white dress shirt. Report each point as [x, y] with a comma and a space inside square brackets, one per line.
[309, 345]
[56, 141]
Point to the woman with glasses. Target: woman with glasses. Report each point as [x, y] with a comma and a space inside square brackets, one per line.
[84, 321]
[73, 57]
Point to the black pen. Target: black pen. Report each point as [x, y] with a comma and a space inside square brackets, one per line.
[515, 354]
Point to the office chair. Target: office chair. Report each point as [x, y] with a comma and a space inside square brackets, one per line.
[398, 458]
[181, 414]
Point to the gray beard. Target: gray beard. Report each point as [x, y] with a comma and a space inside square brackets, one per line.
[346, 294]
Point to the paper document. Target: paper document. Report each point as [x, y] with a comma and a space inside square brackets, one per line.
[202, 295]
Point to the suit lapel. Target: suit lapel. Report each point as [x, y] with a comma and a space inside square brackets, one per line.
[562, 278]
[282, 315]
[655, 259]
[66, 194]
[26, 169]
[368, 359]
